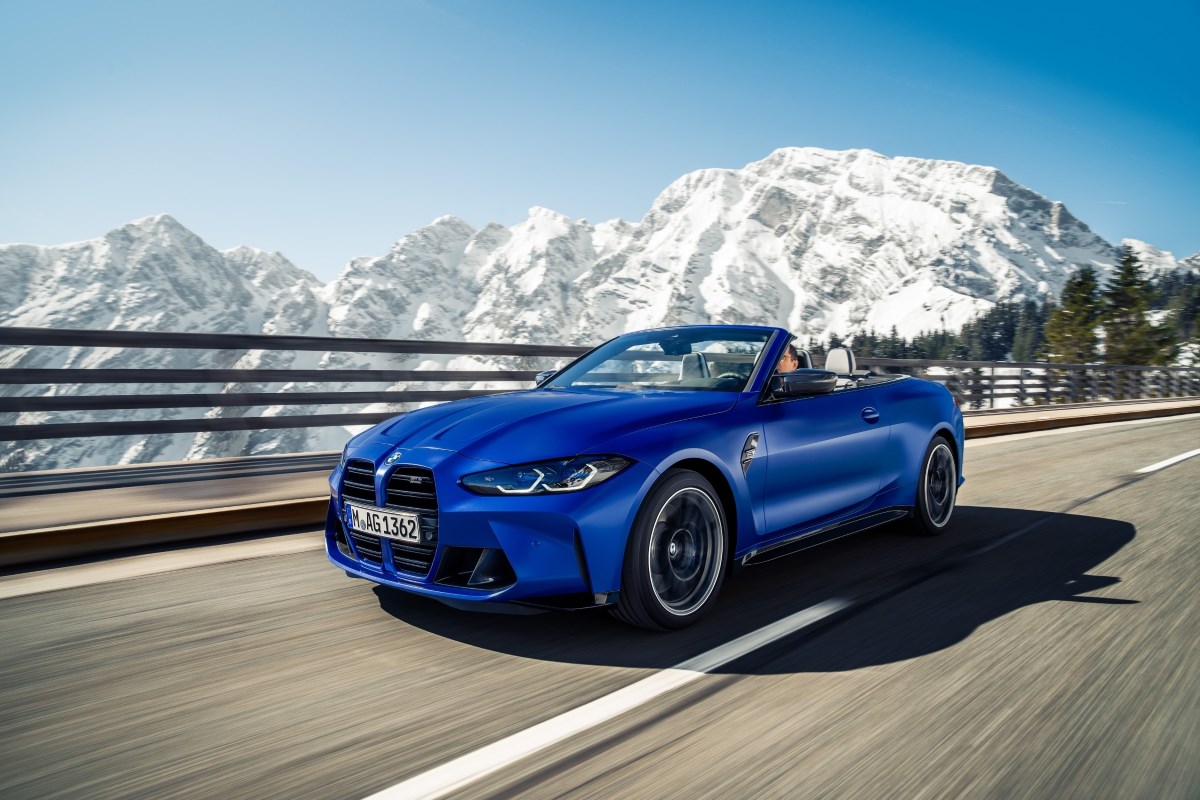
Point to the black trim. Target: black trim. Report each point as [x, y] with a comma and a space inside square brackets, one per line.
[828, 533]
[367, 548]
[568, 602]
[767, 397]
[581, 561]
[361, 490]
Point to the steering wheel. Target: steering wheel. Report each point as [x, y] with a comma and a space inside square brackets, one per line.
[730, 377]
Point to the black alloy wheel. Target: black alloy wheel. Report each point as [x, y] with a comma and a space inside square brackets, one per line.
[676, 556]
[937, 488]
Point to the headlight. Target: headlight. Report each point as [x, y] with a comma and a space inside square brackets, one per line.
[547, 477]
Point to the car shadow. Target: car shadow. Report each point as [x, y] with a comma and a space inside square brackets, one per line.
[910, 596]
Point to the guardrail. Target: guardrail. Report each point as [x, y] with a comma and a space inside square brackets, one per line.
[226, 398]
[1002, 384]
[977, 384]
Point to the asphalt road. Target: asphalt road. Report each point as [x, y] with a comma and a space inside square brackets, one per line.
[1048, 645]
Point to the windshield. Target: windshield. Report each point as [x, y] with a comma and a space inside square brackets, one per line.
[688, 359]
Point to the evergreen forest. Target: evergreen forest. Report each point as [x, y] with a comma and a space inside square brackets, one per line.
[1141, 322]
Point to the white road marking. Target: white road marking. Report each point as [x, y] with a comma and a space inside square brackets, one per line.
[119, 569]
[1079, 429]
[468, 768]
[1168, 462]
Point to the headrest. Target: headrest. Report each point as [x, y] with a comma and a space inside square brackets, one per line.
[840, 360]
[693, 365]
[805, 359]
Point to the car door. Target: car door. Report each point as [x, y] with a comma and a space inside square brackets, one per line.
[824, 456]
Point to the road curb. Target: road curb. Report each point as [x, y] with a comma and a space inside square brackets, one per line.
[983, 427]
[21, 548]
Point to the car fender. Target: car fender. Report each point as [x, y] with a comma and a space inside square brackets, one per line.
[715, 441]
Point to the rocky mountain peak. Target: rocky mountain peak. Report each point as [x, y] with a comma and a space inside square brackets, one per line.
[1154, 262]
[819, 241]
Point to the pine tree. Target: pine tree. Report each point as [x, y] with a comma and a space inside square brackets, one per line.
[1180, 295]
[1129, 336]
[1027, 337]
[1070, 334]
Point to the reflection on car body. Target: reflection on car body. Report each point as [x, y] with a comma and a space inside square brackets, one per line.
[635, 476]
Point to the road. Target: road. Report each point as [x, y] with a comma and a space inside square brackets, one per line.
[1048, 645]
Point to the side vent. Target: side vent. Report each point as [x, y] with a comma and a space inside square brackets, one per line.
[749, 450]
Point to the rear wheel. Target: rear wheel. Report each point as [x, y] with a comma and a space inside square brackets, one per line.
[937, 488]
[675, 558]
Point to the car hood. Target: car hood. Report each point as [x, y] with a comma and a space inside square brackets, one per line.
[518, 427]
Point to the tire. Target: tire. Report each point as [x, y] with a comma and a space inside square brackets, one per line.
[937, 488]
[676, 556]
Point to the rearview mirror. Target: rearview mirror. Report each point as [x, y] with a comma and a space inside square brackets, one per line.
[803, 383]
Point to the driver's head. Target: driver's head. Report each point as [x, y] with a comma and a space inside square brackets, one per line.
[790, 359]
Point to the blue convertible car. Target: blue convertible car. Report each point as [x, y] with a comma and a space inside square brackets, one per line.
[636, 476]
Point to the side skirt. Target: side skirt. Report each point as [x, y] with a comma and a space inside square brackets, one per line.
[823, 535]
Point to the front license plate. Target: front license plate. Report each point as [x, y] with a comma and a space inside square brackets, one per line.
[393, 525]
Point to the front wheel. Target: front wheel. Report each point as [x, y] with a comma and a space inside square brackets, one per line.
[937, 487]
[676, 554]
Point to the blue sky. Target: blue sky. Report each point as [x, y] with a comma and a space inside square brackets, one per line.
[329, 130]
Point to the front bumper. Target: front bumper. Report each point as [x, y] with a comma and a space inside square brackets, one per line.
[550, 548]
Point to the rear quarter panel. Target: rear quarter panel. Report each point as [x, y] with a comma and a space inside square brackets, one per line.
[918, 410]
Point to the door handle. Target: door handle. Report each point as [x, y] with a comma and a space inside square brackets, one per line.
[870, 415]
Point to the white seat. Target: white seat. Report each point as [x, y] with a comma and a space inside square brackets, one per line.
[693, 365]
[841, 361]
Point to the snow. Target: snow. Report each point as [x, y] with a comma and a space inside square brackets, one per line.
[1154, 261]
[817, 240]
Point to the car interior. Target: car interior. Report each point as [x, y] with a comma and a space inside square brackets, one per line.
[840, 361]
[714, 370]
[724, 371]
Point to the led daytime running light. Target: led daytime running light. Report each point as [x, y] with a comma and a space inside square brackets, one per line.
[555, 476]
[540, 476]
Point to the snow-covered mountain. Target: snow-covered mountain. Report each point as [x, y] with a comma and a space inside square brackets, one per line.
[152, 274]
[1155, 262]
[820, 241]
[1192, 263]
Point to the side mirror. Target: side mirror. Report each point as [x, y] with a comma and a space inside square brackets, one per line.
[803, 383]
[542, 377]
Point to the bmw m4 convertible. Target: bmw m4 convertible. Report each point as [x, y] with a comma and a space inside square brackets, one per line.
[637, 476]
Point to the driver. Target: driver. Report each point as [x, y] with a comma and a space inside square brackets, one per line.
[789, 361]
